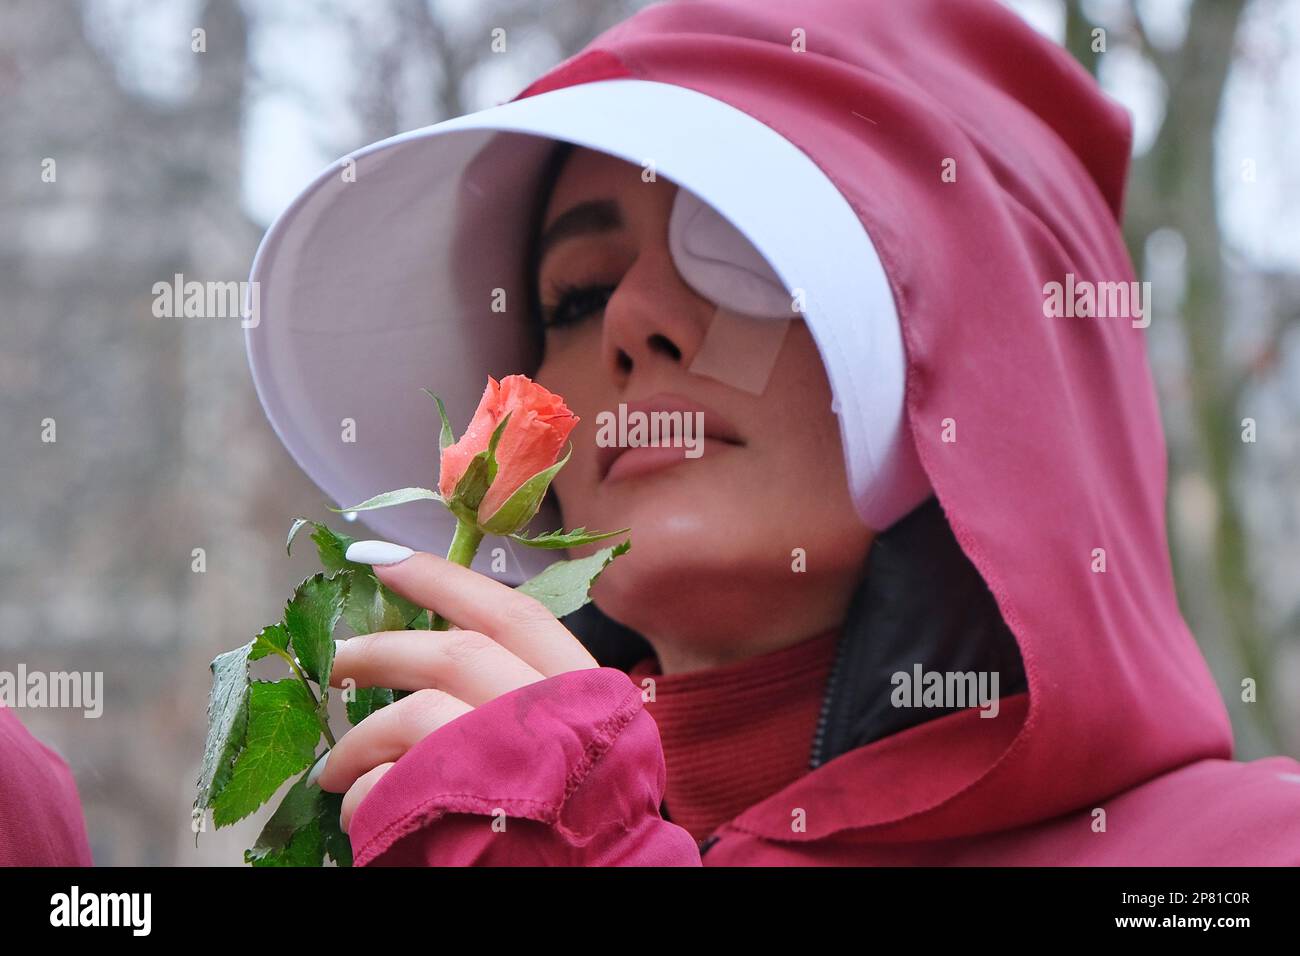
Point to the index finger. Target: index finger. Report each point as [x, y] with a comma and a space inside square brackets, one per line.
[520, 623]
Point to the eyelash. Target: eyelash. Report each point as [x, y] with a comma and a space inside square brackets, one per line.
[575, 296]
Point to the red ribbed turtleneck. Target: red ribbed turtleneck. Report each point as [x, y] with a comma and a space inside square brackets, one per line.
[736, 734]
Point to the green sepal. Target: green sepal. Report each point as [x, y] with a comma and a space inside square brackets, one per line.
[521, 507]
[389, 498]
[293, 532]
[565, 539]
[462, 513]
[481, 472]
[446, 437]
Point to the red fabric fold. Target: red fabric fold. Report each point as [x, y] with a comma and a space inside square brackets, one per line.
[41, 822]
[565, 771]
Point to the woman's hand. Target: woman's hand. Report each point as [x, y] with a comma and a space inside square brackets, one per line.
[503, 640]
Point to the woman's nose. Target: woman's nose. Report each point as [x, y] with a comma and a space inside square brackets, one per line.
[652, 316]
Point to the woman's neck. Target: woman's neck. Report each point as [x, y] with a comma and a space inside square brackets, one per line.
[738, 624]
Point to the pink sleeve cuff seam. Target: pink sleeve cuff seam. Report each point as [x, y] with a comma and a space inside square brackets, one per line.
[438, 805]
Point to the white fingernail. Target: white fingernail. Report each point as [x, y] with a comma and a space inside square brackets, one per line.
[339, 642]
[377, 552]
[317, 768]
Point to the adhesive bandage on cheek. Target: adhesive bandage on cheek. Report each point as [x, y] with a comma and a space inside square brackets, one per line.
[754, 310]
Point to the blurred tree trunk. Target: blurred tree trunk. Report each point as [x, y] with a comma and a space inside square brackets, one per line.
[1173, 185]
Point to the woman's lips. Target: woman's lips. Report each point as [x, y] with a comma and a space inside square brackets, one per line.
[617, 462]
[640, 461]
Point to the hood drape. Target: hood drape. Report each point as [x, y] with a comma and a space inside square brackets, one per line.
[984, 164]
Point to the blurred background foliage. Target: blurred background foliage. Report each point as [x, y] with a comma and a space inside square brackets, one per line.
[171, 162]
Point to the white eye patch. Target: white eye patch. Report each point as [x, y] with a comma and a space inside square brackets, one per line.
[717, 261]
[744, 338]
[754, 311]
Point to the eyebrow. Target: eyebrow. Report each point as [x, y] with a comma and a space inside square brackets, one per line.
[592, 216]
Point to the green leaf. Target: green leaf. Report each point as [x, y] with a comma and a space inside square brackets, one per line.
[331, 548]
[566, 539]
[292, 836]
[389, 498]
[306, 847]
[446, 436]
[337, 844]
[293, 533]
[269, 639]
[310, 617]
[281, 740]
[370, 607]
[565, 585]
[369, 700]
[303, 829]
[227, 723]
[521, 506]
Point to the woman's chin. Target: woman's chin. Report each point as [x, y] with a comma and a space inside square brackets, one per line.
[670, 505]
[688, 541]
[675, 558]
[665, 543]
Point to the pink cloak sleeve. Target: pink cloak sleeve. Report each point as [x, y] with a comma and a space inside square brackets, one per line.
[41, 821]
[566, 771]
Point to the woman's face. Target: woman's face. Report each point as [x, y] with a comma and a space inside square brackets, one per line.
[714, 572]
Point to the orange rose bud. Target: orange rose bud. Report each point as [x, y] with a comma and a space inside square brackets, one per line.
[539, 426]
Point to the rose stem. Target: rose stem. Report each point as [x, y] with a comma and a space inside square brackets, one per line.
[464, 545]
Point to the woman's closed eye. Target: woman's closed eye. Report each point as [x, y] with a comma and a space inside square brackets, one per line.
[574, 303]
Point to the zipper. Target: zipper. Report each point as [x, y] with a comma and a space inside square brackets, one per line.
[819, 736]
